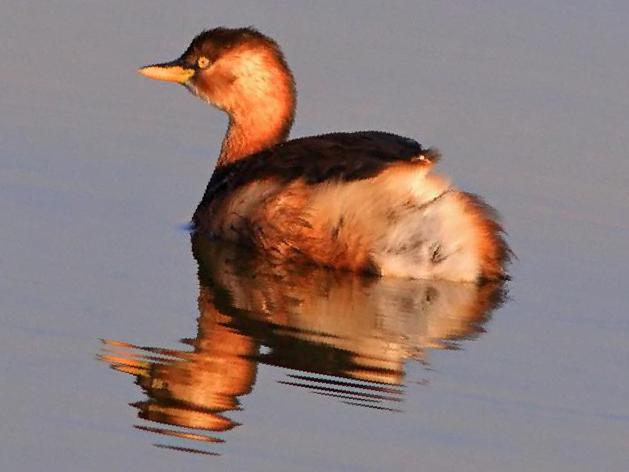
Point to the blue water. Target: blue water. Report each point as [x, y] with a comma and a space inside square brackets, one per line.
[99, 170]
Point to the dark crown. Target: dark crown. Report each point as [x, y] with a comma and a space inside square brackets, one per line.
[216, 42]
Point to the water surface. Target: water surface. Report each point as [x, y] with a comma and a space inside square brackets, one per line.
[296, 370]
[339, 335]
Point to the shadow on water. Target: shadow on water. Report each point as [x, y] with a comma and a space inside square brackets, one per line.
[347, 335]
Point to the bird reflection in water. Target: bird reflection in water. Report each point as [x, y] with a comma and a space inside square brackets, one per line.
[342, 335]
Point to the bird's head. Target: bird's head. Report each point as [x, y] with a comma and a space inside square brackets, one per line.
[236, 70]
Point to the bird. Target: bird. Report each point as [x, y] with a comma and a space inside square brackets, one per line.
[362, 201]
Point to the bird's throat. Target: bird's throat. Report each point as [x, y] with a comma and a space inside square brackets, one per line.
[244, 139]
[256, 126]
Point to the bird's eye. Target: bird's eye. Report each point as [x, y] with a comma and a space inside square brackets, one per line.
[203, 62]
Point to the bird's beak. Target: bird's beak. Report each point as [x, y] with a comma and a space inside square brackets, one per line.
[175, 71]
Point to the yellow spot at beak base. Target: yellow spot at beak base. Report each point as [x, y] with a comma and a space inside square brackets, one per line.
[167, 73]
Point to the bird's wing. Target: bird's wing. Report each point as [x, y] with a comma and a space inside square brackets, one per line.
[318, 159]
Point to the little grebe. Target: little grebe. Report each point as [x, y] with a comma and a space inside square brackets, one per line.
[364, 201]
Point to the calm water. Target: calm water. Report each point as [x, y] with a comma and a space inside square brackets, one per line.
[128, 345]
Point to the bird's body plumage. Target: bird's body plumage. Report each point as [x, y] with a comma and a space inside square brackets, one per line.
[363, 201]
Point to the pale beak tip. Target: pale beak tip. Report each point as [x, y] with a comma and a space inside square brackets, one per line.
[142, 71]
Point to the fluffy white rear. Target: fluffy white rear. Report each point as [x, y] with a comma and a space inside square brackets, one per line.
[414, 223]
[435, 240]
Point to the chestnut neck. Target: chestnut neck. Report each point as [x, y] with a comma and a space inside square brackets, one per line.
[258, 121]
[253, 132]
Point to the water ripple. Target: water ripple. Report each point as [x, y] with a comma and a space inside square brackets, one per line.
[348, 336]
